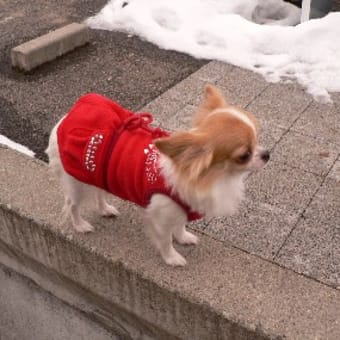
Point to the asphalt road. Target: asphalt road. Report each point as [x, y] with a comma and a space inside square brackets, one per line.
[126, 69]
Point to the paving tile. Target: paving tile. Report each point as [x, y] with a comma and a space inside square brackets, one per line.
[313, 249]
[306, 153]
[270, 136]
[239, 86]
[213, 71]
[321, 121]
[182, 119]
[336, 98]
[229, 96]
[257, 228]
[188, 89]
[233, 98]
[284, 187]
[167, 104]
[335, 171]
[244, 84]
[325, 206]
[163, 108]
[280, 104]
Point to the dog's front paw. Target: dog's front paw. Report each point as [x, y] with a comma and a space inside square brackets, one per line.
[185, 237]
[109, 210]
[174, 259]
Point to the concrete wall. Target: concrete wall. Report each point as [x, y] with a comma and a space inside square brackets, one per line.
[44, 304]
[29, 312]
[111, 283]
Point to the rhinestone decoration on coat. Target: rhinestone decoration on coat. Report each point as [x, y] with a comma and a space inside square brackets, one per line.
[151, 164]
[91, 150]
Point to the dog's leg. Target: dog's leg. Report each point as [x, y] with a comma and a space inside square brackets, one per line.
[182, 236]
[161, 236]
[104, 208]
[163, 215]
[74, 190]
[74, 194]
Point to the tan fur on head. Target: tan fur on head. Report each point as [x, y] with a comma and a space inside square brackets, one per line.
[189, 151]
[218, 145]
[207, 164]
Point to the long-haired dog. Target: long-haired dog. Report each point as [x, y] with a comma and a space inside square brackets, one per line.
[175, 177]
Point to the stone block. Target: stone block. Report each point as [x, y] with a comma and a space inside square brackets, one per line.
[48, 47]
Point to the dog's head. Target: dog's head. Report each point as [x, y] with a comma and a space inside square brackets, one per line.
[223, 142]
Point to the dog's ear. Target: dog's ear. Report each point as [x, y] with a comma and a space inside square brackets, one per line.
[213, 99]
[189, 151]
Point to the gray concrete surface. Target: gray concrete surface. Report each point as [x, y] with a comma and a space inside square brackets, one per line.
[114, 273]
[273, 269]
[124, 68]
[313, 247]
[298, 188]
[29, 312]
[49, 46]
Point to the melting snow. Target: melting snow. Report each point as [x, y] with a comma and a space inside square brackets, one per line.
[254, 34]
[13, 145]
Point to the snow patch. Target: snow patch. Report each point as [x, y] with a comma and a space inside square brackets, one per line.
[254, 34]
[13, 145]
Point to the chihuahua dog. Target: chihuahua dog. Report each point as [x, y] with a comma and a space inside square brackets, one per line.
[176, 177]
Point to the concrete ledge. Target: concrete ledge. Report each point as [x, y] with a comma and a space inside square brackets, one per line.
[115, 277]
[49, 46]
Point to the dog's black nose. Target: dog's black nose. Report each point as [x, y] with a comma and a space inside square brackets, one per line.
[265, 155]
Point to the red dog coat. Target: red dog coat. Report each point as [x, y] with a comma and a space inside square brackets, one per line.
[103, 144]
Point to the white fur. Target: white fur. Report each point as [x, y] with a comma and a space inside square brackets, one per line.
[222, 199]
[237, 114]
[257, 162]
[165, 219]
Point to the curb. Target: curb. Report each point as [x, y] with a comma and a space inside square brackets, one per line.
[114, 274]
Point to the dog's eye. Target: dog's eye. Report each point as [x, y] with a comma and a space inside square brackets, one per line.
[245, 157]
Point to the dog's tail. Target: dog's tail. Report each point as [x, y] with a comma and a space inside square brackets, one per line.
[52, 152]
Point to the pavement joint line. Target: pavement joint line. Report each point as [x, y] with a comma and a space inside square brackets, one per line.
[317, 138]
[272, 261]
[301, 215]
[303, 170]
[257, 95]
[266, 259]
[288, 129]
[228, 252]
[49, 46]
